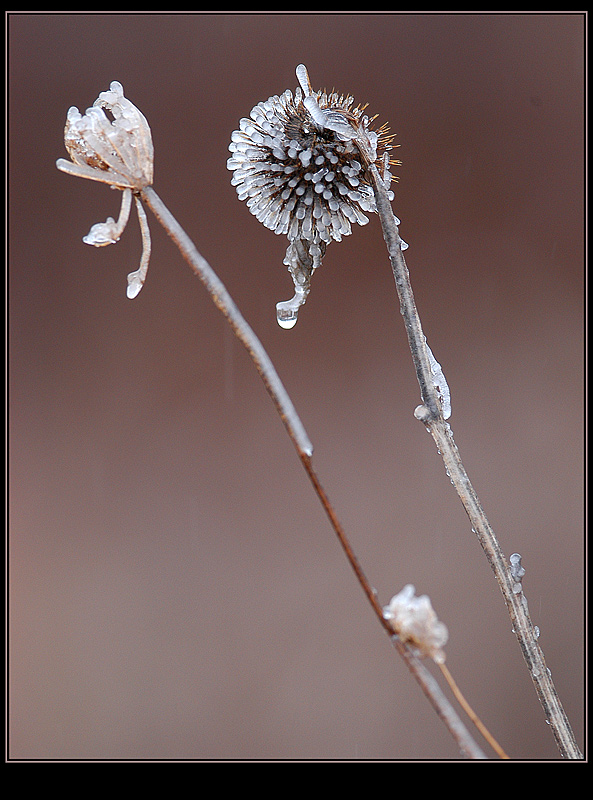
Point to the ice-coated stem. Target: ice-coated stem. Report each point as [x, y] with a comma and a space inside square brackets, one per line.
[136, 279]
[416, 338]
[242, 330]
[431, 415]
[304, 448]
[516, 604]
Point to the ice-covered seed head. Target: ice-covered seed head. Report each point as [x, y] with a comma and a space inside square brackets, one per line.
[300, 163]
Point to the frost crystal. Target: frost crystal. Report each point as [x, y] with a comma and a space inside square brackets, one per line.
[413, 619]
[300, 163]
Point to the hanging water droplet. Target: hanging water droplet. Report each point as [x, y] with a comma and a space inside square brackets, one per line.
[287, 318]
[303, 256]
[135, 283]
[287, 310]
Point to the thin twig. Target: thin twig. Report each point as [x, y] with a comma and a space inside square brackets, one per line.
[439, 702]
[430, 414]
[471, 713]
[241, 329]
[301, 441]
[429, 686]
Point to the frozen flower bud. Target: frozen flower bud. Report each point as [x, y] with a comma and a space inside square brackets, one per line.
[116, 150]
[301, 164]
[413, 619]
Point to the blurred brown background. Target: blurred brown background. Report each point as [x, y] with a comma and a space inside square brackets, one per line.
[176, 591]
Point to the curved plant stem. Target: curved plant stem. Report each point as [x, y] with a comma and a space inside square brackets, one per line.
[471, 713]
[301, 441]
[430, 414]
[241, 329]
[424, 678]
[441, 705]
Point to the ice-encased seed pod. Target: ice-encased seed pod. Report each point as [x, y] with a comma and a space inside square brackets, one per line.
[298, 161]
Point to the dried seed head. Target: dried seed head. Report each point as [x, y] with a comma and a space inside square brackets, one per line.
[301, 163]
[118, 152]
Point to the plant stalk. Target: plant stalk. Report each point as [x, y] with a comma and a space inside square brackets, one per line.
[298, 435]
[431, 415]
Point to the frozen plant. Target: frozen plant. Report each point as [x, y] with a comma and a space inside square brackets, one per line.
[414, 620]
[310, 165]
[296, 161]
[118, 152]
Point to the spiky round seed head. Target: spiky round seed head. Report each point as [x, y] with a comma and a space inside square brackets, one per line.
[301, 179]
[301, 162]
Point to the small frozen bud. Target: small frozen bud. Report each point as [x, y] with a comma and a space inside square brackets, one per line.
[413, 619]
[110, 231]
[115, 150]
[422, 413]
